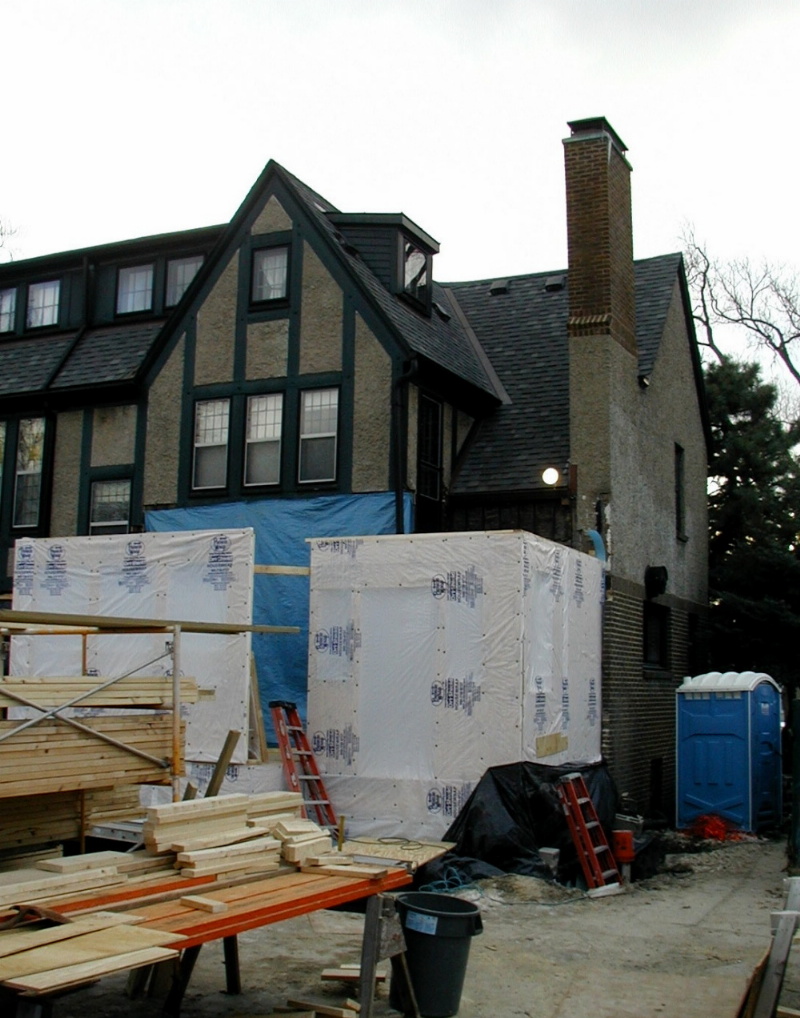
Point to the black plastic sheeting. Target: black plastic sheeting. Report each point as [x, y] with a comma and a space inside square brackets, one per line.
[513, 812]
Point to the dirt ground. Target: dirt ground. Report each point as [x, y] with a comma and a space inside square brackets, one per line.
[683, 942]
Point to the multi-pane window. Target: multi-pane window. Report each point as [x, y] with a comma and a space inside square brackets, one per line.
[319, 415]
[262, 457]
[110, 507]
[655, 649]
[180, 273]
[28, 472]
[135, 289]
[211, 426]
[43, 304]
[270, 273]
[8, 307]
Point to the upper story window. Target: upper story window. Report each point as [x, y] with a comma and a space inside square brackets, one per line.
[211, 425]
[135, 289]
[8, 307]
[262, 458]
[429, 448]
[180, 273]
[110, 507]
[270, 273]
[43, 304]
[680, 493]
[319, 416]
[416, 273]
[28, 472]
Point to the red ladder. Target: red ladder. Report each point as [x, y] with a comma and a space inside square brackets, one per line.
[299, 764]
[598, 864]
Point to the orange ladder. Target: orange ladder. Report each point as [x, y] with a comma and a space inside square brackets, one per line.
[594, 853]
[299, 765]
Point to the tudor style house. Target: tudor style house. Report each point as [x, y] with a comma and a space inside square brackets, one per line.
[300, 353]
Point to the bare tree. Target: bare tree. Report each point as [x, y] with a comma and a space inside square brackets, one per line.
[7, 233]
[762, 301]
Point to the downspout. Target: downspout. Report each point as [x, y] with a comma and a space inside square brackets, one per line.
[409, 372]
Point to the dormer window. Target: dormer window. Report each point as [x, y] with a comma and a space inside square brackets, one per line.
[180, 273]
[416, 273]
[135, 289]
[8, 307]
[270, 274]
[43, 304]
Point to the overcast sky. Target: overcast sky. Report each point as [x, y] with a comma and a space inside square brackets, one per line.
[124, 118]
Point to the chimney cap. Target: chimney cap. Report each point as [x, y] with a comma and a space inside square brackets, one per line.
[594, 126]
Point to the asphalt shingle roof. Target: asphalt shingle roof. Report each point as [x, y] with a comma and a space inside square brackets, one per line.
[26, 365]
[524, 333]
[108, 355]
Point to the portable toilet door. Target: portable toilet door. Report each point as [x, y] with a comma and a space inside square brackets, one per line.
[729, 749]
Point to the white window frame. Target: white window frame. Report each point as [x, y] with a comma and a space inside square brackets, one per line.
[270, 276]
[119, 524]
[135, 288]
[211, 434]
[43, 301]
[180, 273]
[8, 309]
[312, 432]
[263, 428]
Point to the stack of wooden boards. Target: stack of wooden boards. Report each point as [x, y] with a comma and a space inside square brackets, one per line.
[40, 961]
[61, 749]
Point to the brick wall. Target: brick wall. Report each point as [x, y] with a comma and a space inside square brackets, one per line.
[639, 704]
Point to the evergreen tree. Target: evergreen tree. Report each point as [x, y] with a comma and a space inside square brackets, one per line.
[754, 497]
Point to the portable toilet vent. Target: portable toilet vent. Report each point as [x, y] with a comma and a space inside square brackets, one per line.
[729, 749]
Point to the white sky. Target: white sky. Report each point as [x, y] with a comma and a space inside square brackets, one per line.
[123, 118]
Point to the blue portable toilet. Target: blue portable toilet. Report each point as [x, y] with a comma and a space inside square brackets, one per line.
[729, 749]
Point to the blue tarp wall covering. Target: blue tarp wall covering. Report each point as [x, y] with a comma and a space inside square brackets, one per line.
[281, 528]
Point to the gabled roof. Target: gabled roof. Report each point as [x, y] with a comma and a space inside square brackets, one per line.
[442, 340]
[523, 328]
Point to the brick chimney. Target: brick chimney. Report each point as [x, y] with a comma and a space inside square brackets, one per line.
[599, 233]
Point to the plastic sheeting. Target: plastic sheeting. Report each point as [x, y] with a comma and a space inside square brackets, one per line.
[281, 527]
[512, 813]
[195, 577]
[435, 657]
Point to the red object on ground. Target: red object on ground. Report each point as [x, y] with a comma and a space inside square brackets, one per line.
[713, 827]
[622, 842]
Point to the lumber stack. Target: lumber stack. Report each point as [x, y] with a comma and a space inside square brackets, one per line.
[228, 835]
[148, 691]
[68, 759]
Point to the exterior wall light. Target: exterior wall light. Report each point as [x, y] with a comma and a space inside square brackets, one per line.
[551, 476]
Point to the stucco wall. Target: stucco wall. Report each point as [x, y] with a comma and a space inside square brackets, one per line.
[271, 218]
[113, 435]
[647, 423]
[216, 329]
[372, 412]
[320, 317]
[267, 349]
[164, 432]
[66, 474]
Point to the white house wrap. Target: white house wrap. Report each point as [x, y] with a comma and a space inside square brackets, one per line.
[434, 657]
[202, 576]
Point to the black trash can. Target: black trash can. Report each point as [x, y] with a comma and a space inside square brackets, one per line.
[437, 930]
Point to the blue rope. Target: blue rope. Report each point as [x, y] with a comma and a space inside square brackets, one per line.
[452, 880]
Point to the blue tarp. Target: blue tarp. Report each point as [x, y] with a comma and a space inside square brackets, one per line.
[281, 528]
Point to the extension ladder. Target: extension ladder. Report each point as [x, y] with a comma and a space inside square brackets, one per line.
[299, 765]
[598, 864]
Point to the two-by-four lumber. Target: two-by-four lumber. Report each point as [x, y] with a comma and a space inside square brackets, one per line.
[28, 885]
[321, 1008]
[131, 691]
[75, 975]
[253, 847]
[16, 940]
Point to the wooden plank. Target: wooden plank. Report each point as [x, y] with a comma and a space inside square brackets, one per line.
[16, 940]
[348, 974]
[371, 872]
[77, 863]
[250, 847]
[230, 836]
[111, 622]
[85, 947]
[276, 570]
[204, 904]
[74, 975]
[214, 806]
[776, 967]
[320, 1007]
[134, 691]
[297, 852]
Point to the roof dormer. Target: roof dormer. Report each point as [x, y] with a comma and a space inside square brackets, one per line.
[397, 251]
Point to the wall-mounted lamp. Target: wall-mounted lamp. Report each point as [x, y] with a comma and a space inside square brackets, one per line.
[551, 476]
